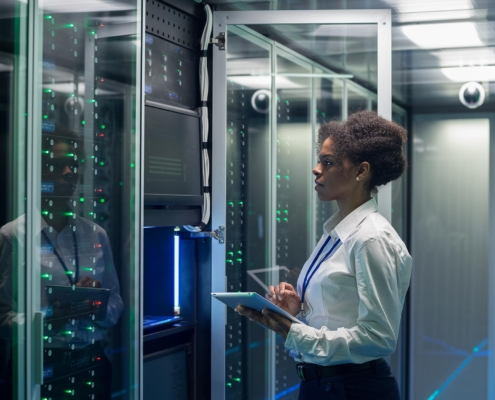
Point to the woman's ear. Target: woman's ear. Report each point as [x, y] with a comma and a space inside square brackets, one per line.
[363, 171]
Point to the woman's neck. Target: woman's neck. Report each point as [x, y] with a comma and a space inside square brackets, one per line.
[346, 206]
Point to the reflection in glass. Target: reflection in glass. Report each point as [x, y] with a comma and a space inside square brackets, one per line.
[293, 179]
[356, 101]
[88, 77]
[248, 135]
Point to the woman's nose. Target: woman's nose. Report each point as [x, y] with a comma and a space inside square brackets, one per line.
[316, 170]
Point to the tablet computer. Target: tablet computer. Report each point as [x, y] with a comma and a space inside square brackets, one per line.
[252, 300]
[78, 301]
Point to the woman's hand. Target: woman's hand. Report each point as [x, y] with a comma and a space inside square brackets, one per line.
[270, 319]
[285, 296]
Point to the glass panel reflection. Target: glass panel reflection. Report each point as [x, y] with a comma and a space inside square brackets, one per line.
[248, 135]
[86, 98]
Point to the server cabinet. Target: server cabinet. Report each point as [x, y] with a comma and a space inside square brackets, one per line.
[71, 253]
[268, 101]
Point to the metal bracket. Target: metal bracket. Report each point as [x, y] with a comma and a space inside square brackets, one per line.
[219, 41]
[217, 234]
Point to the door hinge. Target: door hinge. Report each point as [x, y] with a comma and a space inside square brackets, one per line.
[219, 41]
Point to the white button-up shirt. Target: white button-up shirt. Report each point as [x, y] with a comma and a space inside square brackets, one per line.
[353, 303]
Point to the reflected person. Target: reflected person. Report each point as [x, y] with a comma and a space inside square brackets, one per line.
[75, 253]
[351, 290]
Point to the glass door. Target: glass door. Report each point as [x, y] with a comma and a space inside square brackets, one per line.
[270, 95]
[84, 206]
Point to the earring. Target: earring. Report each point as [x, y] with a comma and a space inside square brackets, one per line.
[357, 178]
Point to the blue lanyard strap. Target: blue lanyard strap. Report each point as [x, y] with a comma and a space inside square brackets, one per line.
[311, 271]
[62, 261]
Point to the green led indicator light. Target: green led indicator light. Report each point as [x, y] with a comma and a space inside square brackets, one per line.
[48, 90]
[229, 261]
[91, 213]
[286, 219]
[102, 163]
[44, 212]
[121, 183]
[230, 253]
[287, 102]
[67, 333]
[132, 165]
[239, 252]
[278, 98]
[230, 203]
[45, 116]
[287, 177]
[45, 276]
[323, 113]
[278, 176]
[68, 214]
[45, 152]
[286, 211]
[103, 127]
[91, 101]
[89, 383]
[241, 203]
[45, 337]
[81, 199]
[229, 384]
[87, 269]
[237, 379]
[102, 200]
[68, 25]
[278, 219]
[48, 17]
[83, 122]
[69, 392]
[68, 272]
[239, 260]
[278, 212]
[91, 156]
[70, 154]
[92, 32]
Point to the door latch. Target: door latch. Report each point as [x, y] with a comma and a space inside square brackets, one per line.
[217, 234]
[219, 41]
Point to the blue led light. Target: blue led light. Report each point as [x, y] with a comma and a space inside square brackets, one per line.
[458, 370]
[176, 268]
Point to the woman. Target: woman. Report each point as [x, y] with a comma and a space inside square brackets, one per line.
[351, 290]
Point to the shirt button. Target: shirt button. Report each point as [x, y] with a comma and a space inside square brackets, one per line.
[328, 387]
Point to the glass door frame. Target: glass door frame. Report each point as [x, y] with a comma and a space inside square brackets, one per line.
[382, 18]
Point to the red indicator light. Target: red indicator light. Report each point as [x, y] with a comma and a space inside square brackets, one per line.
[98, 246]
[101, 135]
[99, 190]
[98, 358]
[102, 25]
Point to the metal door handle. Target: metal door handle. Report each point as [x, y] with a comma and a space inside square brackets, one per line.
[38, 347]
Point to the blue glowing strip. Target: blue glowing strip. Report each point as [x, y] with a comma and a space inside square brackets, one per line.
[232, 350]
[176, 270]
[286, 391]
[459, 369]
[447, 346]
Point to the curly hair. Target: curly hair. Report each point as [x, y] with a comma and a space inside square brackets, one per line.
[365, 136]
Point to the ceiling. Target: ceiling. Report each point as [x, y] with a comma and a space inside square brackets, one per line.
[437, 46]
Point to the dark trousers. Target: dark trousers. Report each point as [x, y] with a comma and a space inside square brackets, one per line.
[376, 383]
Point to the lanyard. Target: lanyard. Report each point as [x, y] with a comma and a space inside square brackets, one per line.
[69, 274]
[311, 271]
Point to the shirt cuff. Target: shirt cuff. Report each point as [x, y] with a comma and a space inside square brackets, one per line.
[295, 337]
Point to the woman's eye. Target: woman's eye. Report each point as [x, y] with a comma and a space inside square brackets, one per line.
[328, 163]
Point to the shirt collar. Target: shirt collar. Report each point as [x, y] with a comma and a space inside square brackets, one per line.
[342, 228]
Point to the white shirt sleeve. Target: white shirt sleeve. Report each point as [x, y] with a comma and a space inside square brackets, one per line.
[380, 294]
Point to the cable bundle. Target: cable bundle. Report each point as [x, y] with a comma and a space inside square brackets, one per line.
[204, 89]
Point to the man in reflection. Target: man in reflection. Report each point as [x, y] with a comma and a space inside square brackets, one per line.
[75, 253]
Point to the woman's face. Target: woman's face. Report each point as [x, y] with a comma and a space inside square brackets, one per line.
[333, 182]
